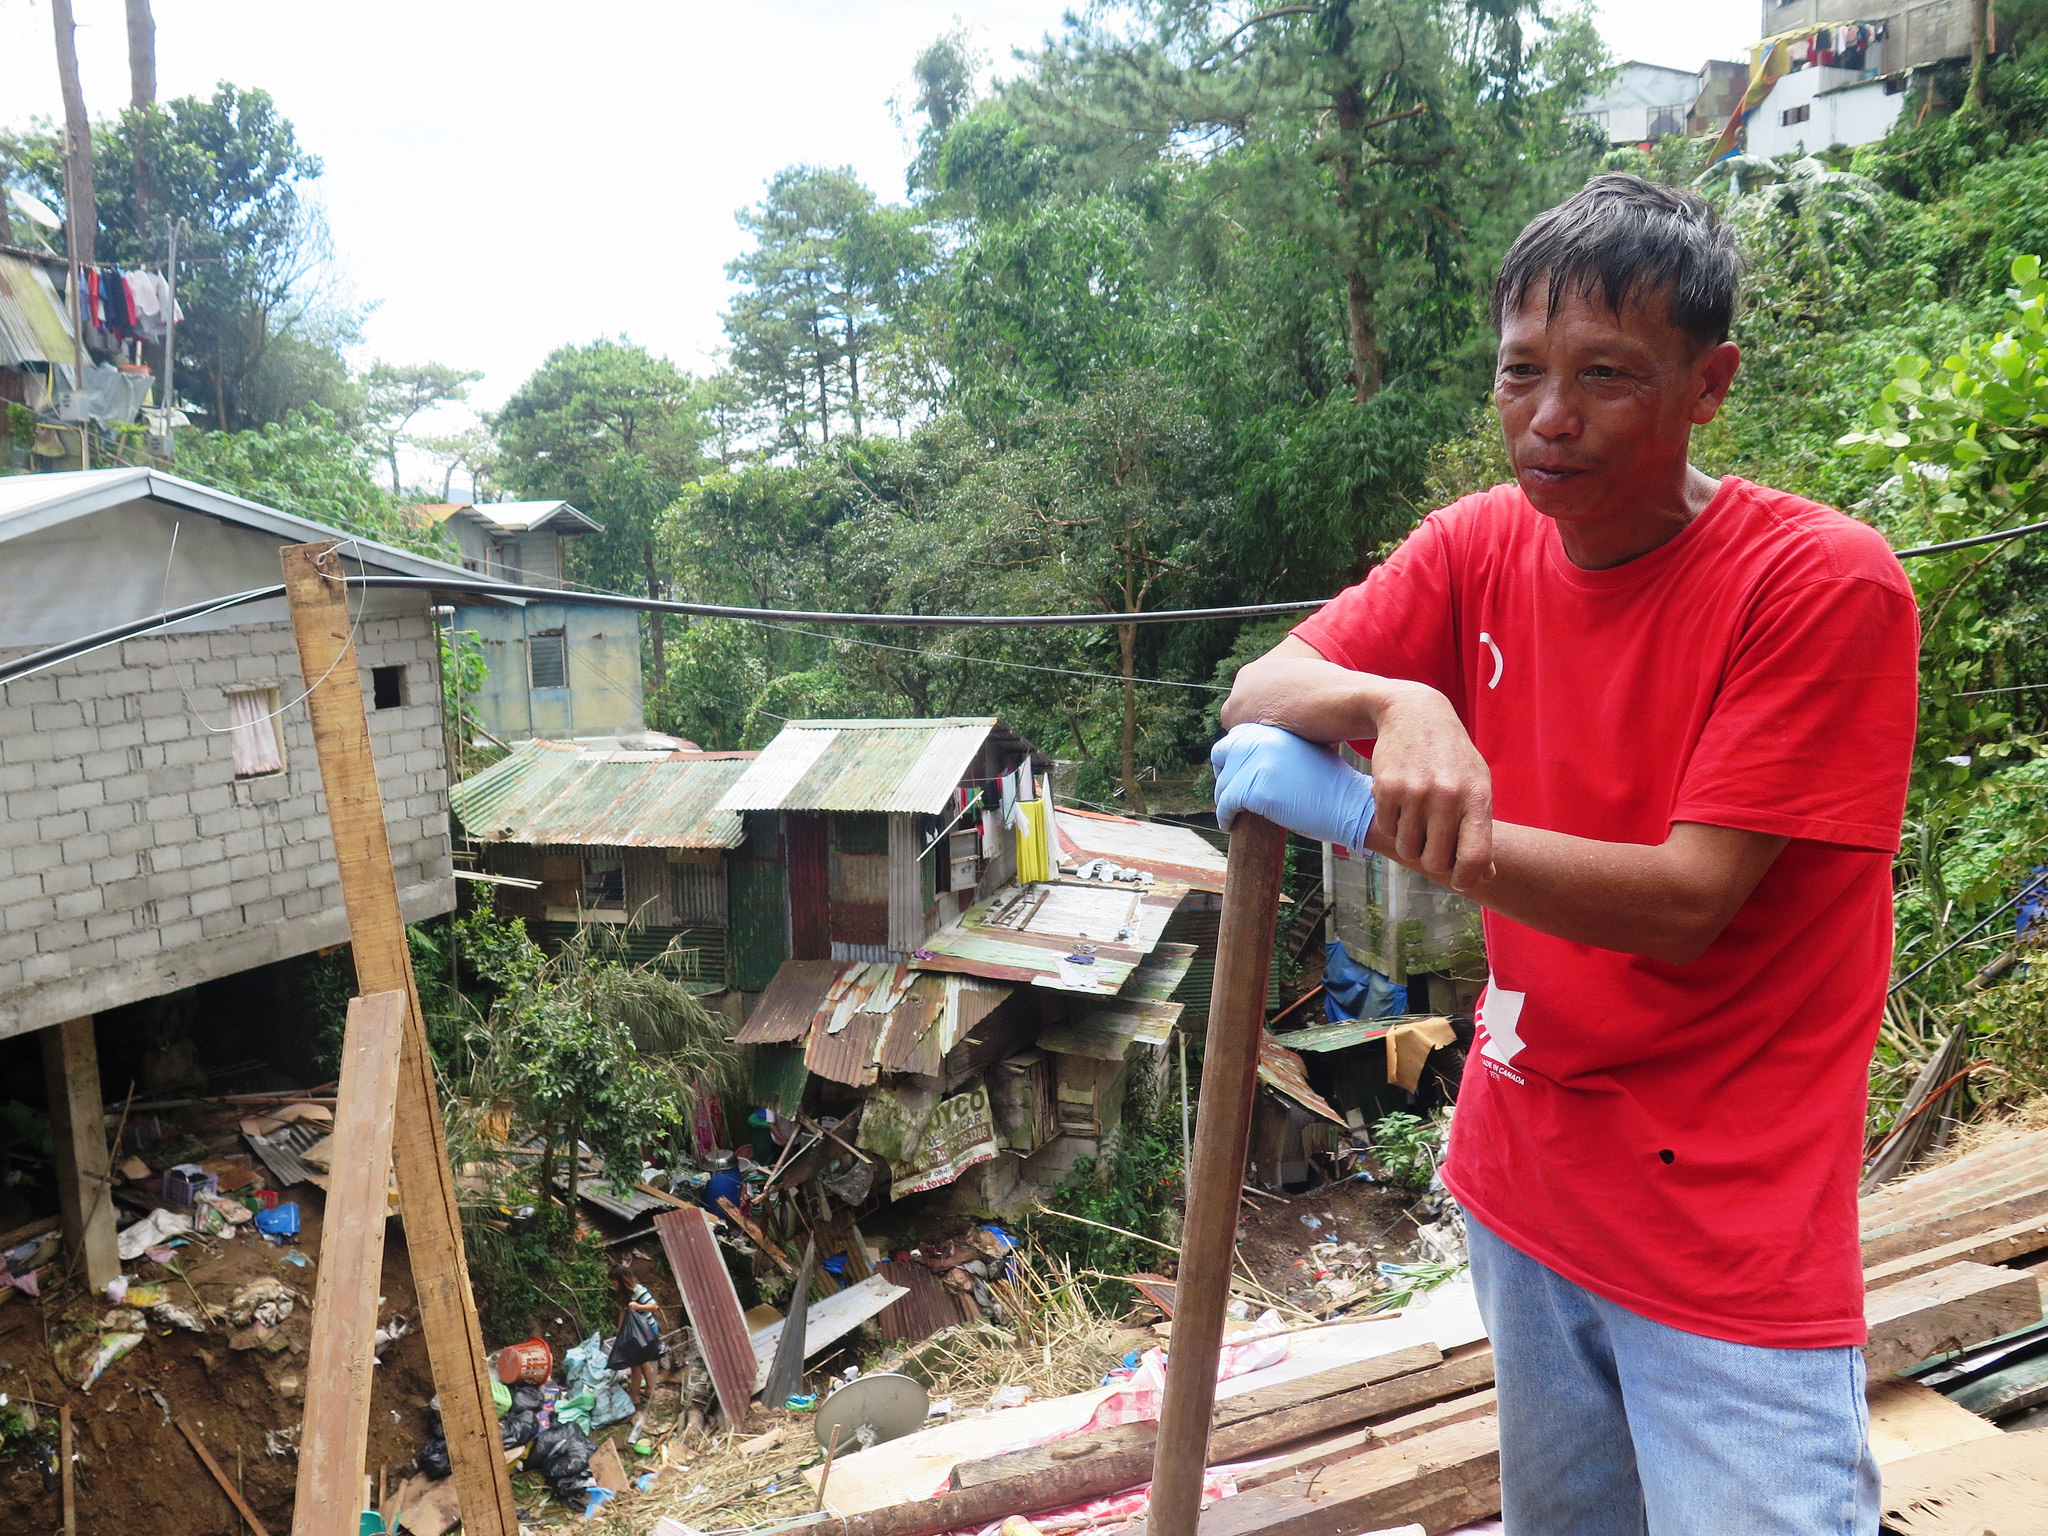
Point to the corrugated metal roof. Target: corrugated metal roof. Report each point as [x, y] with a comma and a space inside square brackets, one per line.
[33, 324]
[1021, 933]
[1283, 1071]
[555, 792]
[512, 516]
[1168, 852]
[713, 1306]
[927, 1306]
[1336, 1037]
[789, 1002]
[862, 765]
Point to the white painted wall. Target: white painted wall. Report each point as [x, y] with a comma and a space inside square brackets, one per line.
[1845, 108]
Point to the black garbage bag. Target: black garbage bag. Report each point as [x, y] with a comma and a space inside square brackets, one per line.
[561, 1456]
[527, 1399]
[516, 1428]
[433, 1458]
[639, 1341]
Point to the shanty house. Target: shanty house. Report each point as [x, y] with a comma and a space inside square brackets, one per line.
[162, 821]
[555, 670]
[599, 835]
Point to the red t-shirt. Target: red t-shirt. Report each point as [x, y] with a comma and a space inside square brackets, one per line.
[1682, 1139]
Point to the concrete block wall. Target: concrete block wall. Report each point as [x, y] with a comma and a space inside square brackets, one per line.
[134, 863]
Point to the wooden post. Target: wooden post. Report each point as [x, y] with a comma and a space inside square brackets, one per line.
[78, 1126]
[336, 1434]
[369, 890]
[64, 1476]
[1230, 1066]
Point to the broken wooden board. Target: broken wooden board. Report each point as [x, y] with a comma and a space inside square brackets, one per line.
[1251, 1435]
[1994, 1485]
[607, 1469]
[713, 1306]
[1438, 1480]
[1945, 1309]
[1331, 1448]
[1908, 1420]
[826, 1321]
[424, 1506]
[2016, 1240]
[1995, 1186]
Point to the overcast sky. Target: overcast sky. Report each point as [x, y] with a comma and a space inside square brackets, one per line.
[506, 176]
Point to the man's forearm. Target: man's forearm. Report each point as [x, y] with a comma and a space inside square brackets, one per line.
[1297, 690]
[1666, 901]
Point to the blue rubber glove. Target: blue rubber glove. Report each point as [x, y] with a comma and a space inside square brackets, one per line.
[1304, 786]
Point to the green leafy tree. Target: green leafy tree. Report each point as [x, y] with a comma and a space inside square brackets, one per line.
[618, 432]
[395, 393]
[829, 267]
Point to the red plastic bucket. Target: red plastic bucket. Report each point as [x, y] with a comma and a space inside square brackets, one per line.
[531, 1363]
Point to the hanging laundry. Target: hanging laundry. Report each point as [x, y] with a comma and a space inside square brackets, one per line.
[1034, 859]
[1009, 783]
[1024, 789]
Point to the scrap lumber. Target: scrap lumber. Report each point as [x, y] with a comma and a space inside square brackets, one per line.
[234, 1494]
[1945, 1309]
[65, 1476]
[2017, 1240]
[335, 1438]
[324, 630]
[824, 1321]
[1237, 1015]
[1438, 1480]
[1908, 1420]
[713, 1305]
[1998, 1484]
[1333, 1448]
[1995, 1186]
[1111, 1460]
[1286, 1396]
[78, 1131]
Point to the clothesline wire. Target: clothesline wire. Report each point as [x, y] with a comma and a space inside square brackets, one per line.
[2032, 886]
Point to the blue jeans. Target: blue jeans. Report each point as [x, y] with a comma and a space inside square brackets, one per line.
[1612, 1425]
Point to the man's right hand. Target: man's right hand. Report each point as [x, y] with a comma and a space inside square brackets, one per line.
[1433, 791]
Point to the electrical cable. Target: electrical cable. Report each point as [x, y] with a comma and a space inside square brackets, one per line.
[2033, 887]
[1978, 538]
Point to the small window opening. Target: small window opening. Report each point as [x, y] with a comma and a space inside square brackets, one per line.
[604, 884]
[547, 659]
[1793, 115]
[387, 687]
[252, 731]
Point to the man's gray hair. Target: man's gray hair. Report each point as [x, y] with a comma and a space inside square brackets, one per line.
[1628, 240]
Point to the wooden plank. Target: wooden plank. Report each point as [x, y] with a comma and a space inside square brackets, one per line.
[323, 627]
[2009, 1389]
[234, 1495]
[2015, 1240]
[1343, 1378]
[1237, 1015]
[65, 1474]
[713, 1306]
[1245, 1438]
[1957, 1183]
[1439, 1480]
[1943, 1310]
[1996, 1485]
[1333, 1448]
[1907, 1420]
[2002, 1208]
[335, 1437]
[78, 1127]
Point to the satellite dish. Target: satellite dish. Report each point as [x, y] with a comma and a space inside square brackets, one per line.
[34, 209]
[885, 1405]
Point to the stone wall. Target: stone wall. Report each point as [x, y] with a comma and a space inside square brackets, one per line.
[133, 862]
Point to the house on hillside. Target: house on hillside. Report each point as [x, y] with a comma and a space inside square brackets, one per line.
[600, 835]
[974, 974]
[1642, 103]
[557, 670]
[1833, 73]
[162, 822]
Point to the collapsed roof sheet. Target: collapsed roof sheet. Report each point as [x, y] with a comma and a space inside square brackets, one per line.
[1283, 1071]
[858, 1018]
[1022, 934]
[1167, 852]
[556, 792]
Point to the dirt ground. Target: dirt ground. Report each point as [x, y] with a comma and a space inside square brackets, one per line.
[134, 1471]
[1275, 1238]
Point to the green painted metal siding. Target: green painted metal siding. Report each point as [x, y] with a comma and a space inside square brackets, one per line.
[644, 944]
[758, 897]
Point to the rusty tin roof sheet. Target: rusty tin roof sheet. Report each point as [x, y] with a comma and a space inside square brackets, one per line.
[1021, 933]
[866, 765]
[558, 792]
[1282, 1070]
[1168, 852]
[858, 1018]
[713, 1306]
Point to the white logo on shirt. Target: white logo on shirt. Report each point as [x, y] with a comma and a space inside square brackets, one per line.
[1499, 1012]
[1499, 666]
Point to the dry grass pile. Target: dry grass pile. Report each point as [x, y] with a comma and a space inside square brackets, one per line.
[1057, 1341]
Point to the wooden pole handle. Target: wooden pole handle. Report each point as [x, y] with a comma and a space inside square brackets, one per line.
[1230, 1066]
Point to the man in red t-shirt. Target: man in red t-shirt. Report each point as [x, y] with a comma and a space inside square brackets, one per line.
[1659, 727]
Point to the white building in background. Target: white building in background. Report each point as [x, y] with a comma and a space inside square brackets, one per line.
[1643, 102]
[1854, 69]
[1815, 109]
